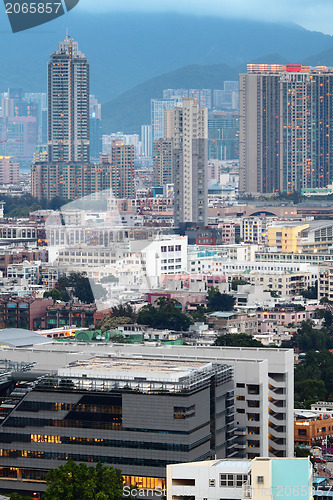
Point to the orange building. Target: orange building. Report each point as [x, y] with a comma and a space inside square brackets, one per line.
[308, 430]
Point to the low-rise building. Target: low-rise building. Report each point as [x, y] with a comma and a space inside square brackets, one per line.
[25, 271]
[163, 255]
[241, 479]
[189, 297]
[284, 316]
[325, 281]
[209, 259]
[234, 321]
[285, 235]
[255, 229]
[22, 232]
[16, 255]
[9, 170]
[301, 257]
[228, 232]
[310, 427]
[324, 407]
[282, 283]
[23, 312]
[61, 314]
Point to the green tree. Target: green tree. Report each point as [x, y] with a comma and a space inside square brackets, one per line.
[301, 452]
[55, 294]
[314, 378]
[235, 283]
[124, 310]
[237, 340]
[308, 392]
[79, 482]
[309, 338]
[218, 301]
[328, 318]
[311, 292]
[17, 496]
[117, 338]
[80, 286]
[112, 322]
[199, 315]
[164, 315]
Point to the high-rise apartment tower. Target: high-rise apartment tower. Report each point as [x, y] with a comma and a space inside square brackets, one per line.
[68, 104]
[286, 118]
[190, 159]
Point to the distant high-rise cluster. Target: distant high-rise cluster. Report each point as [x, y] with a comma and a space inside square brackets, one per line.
[19, 122]
[163, 162]
[223, 133]
[202, 96]
[286, 143]
[95, 115]
[158, 106]
[9, 170]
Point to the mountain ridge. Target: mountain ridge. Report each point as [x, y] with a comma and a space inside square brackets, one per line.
[127, 49]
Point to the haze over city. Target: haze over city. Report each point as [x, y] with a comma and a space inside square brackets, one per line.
[309, 14]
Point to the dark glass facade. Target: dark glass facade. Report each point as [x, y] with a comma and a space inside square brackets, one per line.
[49, 421]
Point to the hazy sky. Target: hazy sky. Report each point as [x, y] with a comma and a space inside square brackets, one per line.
[312, 14]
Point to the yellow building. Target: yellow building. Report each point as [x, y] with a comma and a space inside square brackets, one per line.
[285, 236]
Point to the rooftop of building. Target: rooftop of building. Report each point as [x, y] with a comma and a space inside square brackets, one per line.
[286, 68]
[228, 465]
[224, 314]
[140, 375]
[309, 415]
[18, 337]
[77, 307]
[318, 224]
[135, 369]
[288, 223]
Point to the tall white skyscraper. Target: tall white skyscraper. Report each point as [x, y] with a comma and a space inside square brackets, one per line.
[190, 139]
[68, 104]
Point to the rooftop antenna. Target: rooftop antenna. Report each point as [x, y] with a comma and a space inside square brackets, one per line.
[67, 35]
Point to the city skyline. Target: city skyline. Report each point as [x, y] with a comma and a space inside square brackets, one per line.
[166, 300]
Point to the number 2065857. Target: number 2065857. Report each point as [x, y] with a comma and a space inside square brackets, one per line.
[33, 8]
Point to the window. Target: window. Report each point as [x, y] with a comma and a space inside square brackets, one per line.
[232, 480]
[240, 479]
[212, 483]
[260, 479]
[182, 412]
